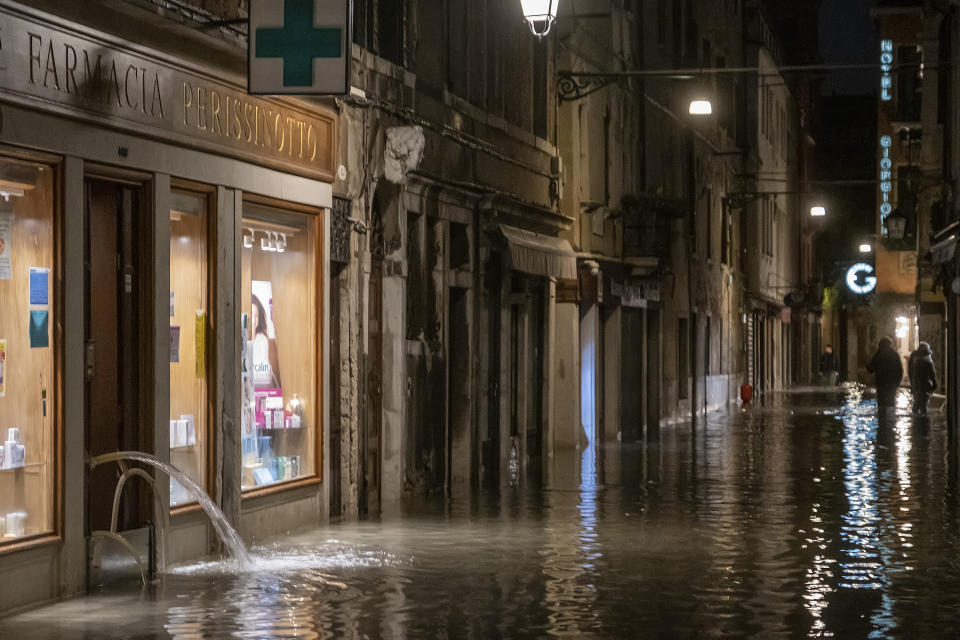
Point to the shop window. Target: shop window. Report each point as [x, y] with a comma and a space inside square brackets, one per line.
[280, 422]
[28, 307]
[189, 415]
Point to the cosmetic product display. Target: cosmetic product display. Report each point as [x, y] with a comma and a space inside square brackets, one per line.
[14, 454]
[15, 524]
[191, 430]
[183, 432]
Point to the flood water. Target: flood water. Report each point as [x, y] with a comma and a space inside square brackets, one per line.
[805, 518]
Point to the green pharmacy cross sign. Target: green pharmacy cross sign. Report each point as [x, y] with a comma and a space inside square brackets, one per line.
[297, 46]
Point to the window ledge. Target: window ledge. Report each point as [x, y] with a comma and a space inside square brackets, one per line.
[28, 543]
[279, 488]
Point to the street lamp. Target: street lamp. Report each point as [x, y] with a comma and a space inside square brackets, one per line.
[865, 248]
[818, 211]
[540, 15]
[896, 224]
[700, 107]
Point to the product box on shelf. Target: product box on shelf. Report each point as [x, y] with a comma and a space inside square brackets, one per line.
[13, 455]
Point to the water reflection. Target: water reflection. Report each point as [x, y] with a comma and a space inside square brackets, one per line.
[809, 517]
[860, 567]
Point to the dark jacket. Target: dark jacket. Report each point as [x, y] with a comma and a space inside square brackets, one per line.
[828, 362]
[887, 367]
[922, 371]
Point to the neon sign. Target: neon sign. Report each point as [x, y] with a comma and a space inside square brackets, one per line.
[861, 284]
[886, 65]
[886, 180]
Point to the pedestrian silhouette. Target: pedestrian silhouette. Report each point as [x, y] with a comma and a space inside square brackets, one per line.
[923, 377]
[888, 372]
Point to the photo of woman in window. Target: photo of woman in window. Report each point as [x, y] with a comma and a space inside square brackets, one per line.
[266, 368]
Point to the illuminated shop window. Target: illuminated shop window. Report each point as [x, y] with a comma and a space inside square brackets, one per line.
[280, 360]
[28, 309]
[189, 414]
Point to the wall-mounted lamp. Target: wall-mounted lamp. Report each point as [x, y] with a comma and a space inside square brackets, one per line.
[896, 224]
[540, 15]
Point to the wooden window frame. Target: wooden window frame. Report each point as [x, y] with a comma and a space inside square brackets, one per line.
[317, 214]
[55, 535]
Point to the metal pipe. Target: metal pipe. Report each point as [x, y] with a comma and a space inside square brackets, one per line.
[161, 513]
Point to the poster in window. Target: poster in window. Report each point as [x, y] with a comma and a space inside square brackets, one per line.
[263, 343]
[6, 229]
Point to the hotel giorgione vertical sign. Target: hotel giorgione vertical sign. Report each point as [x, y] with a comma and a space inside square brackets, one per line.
[105, 82]
[886, 142]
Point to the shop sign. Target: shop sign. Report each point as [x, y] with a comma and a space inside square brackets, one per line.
[299, 47]
[635, 294]
[87, 77]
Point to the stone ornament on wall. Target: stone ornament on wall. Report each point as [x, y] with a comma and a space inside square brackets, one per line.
[908, 262]
[403, 152]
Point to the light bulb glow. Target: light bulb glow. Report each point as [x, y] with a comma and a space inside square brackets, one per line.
[701, 108]
[818, 212]
[865, 248]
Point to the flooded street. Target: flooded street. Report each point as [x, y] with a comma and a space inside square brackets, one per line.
[805, 518]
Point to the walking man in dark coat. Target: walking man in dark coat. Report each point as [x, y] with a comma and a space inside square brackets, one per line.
[888, 370]
[923, 377]
[828, 367]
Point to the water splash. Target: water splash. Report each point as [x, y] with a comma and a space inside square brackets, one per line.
[228, 535]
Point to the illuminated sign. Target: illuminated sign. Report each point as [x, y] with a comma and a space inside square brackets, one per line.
[886, 64]
[886, 180]
[860, 278]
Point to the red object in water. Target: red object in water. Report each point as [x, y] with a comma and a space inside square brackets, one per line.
[746, 394]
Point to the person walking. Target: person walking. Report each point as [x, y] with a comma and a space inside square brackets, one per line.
[923, 377]
[829, 369]
[888, 372]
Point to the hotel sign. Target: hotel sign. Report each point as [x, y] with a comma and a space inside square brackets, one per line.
[861, 279]
[886, 180]
[99, 80]
[886, 67]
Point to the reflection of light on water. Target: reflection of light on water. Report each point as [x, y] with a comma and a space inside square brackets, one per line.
[588, 505]
[904, 445]
[817, 585]
[859, 530]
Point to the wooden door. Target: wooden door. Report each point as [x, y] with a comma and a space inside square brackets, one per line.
[112, 346]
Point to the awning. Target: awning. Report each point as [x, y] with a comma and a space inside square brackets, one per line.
[539, 254]
[944, 251]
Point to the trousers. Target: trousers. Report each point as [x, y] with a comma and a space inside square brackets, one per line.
[887, 395]
[921, 401]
